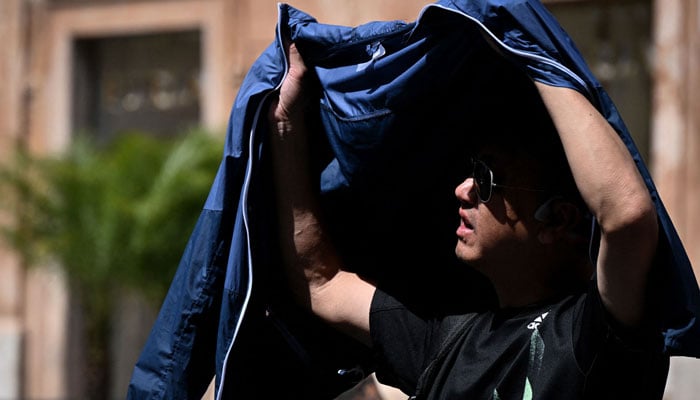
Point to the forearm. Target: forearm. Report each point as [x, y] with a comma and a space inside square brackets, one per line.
[310, 261]
[604, 171]
[614, 191]
[304, 247]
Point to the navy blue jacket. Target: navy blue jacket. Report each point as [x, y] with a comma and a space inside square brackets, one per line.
[389, 159]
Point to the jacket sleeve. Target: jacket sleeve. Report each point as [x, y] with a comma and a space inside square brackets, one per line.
[182, 353]
[178, 358]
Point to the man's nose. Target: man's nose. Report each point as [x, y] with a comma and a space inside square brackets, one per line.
[466, 192]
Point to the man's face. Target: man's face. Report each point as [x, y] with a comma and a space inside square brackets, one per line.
[500, 233]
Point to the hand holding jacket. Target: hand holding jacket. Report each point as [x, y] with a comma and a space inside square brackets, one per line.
[287, 110]
[311, 263]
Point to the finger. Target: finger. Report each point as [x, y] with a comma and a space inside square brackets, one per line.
[297, 67]
[295, 56]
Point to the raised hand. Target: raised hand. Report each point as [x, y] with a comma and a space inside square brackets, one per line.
[287, 112]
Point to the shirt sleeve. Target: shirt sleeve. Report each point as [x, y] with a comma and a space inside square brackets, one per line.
[399, 338]
[616, 358]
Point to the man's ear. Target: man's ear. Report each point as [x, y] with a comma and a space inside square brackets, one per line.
[558, 219]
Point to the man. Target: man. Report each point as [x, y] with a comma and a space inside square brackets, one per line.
[556, 334]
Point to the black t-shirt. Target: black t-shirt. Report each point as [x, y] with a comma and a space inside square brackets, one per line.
[563, 350]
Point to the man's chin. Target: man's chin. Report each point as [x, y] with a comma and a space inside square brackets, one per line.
[464, 254]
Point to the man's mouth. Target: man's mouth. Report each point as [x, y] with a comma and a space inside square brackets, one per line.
[465, 226]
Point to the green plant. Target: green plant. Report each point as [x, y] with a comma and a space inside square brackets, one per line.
[122, 213]
[113, 216]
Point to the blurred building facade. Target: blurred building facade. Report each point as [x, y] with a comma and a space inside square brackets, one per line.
[105, 66]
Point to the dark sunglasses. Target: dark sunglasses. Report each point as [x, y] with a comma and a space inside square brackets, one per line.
[483, 181]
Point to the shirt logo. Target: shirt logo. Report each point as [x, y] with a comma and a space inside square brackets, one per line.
[536, 323]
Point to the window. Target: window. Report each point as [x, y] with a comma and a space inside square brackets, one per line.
[145, 83]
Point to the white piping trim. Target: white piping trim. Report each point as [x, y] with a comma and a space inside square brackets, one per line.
[246, 185]
[521, 53]
[244, 204]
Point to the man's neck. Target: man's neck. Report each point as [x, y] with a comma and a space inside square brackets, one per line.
[540, 285]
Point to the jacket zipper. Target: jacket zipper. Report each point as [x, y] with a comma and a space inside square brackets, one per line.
[246, 186]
